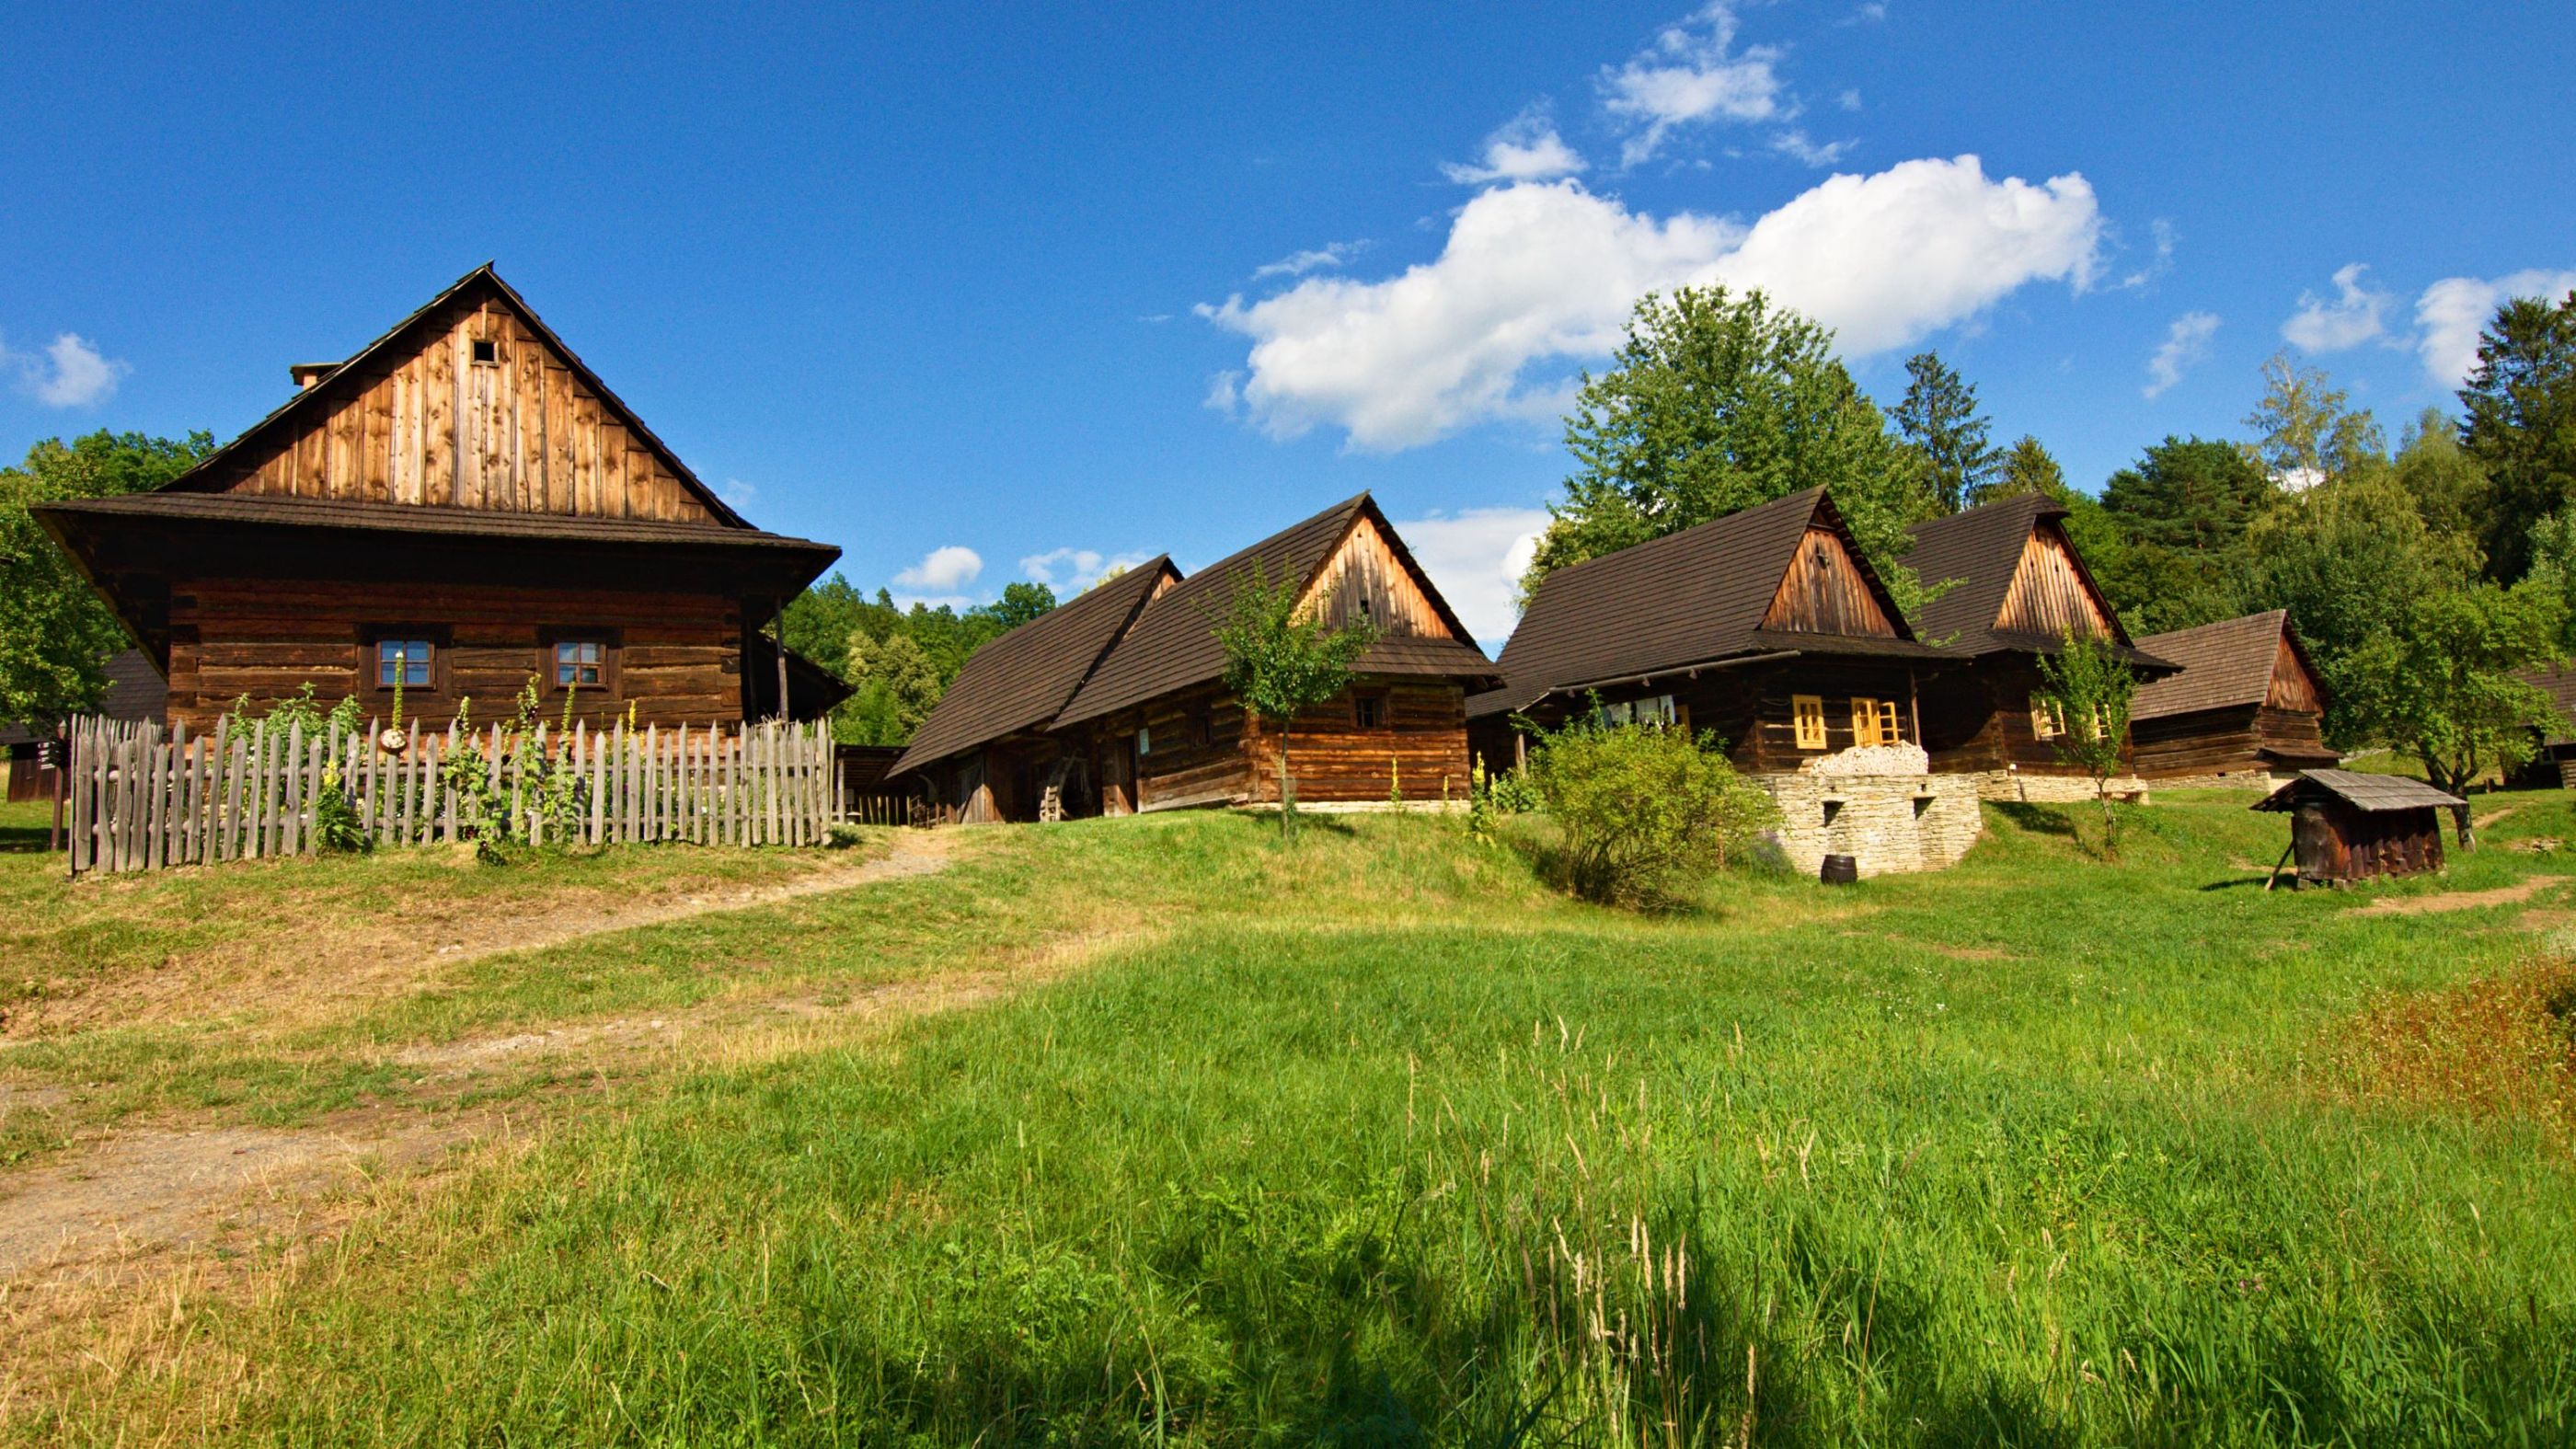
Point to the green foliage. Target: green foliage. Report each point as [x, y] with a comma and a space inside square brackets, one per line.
[1719, 401]
[2444, 684]
[2303, 432]
[2088, 686]
[826, 621]
[55, 634]
[2347, 559]
[2180, 514]
[2521, 427]
[2026, 467]
[2448, 485]
[1939, 421]
[1646, 813]
[1493, 795]
[1280, 659]
[538, 797]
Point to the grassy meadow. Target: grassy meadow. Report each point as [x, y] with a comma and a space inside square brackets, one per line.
[1376, 1140]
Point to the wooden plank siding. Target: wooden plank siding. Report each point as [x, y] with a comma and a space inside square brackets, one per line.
[2048, 598]
[430, 425]
[675, 657]
[1823, 592]
[1365, 581]
[1979, 719]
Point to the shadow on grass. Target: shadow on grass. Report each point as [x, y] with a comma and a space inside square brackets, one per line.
[23, 838]
[2036, 819]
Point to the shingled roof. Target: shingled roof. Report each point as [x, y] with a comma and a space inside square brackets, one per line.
[1173, 644]
[2558, 681]
[1977, 552]
[135, 691]
[1692, 597]
[1024, 678]
[2373, 793]
[2225, 665]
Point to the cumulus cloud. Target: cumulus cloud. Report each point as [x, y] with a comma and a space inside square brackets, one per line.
[1538, 277]
[943, 570]
[2186, 342]
[1526, 148]
[2453, 311]
[1475, 558]
[1691, 74]
[71, 373]
[1069, 571]
[1322, 258]
[2348, 319]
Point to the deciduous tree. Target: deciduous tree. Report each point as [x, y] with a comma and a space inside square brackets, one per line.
[1280, 659]
[2444, 684]
[2304, 434]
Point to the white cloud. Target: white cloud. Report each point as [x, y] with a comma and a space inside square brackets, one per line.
[1323, 258]
[943, 570]
[2186, 342]
[737, 493]
[2453, 311]
[1691, 74]
[1526, 148]
[1793, 143]
[71, 373]
[1546, 273]
[2162, 229]
[2349, 319]
[1069, 571]
[1475, 557]
[1849, 100]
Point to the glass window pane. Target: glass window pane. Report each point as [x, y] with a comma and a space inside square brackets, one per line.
[402, 661]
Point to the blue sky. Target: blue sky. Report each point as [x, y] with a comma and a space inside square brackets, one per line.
[1018, 284]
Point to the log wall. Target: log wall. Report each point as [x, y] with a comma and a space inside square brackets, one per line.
[1824, 593]
[677, 658]
[2048, 596]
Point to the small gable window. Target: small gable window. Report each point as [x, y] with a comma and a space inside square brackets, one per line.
[487, 351]
[1807, 715]
[404, 662]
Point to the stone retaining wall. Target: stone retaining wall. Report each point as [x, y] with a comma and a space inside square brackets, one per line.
[1889, 824]
[2053, 789]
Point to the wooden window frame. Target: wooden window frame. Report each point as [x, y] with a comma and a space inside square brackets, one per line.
[475, 348]
[611, 653]
[2044, 721]
[1365, 701]
[370, 665]
[1804, 710]
[1875, 721]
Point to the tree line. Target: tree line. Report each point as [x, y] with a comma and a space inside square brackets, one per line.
[2428, 582]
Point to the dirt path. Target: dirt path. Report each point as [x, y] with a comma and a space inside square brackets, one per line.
[2512, 895]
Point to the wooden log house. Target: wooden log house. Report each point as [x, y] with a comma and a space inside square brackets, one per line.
[2010, 587]
[2246, 704]
[1766, 627]
[2347, 827]
[134, 692]
[1117, 701]
[460, 506]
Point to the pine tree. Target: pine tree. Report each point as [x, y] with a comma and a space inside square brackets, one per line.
[1939, 421]
[2026, 468]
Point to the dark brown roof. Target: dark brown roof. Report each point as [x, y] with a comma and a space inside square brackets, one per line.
[1024, 678]
[1692, 597]
[214, 473]
[2373, 793]
[135, 691]
[2224, 665]
[1173, 644]
[423, 518]
[2558, 681]
[1977, 552]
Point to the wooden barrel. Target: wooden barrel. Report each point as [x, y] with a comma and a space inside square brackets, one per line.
[1840, 870]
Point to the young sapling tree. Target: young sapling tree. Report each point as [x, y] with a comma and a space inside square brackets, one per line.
[1280, 659]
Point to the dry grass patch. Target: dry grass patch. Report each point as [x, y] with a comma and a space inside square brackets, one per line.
[2500, 1047]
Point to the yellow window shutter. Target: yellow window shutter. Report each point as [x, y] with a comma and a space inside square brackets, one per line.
[1888, 733]
[1864, 720]
[1807, 711]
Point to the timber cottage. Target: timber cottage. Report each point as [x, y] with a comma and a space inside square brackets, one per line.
[1115, 703]
[1769, 629]
[459, 506]
[2016, 587]
[2245, 707]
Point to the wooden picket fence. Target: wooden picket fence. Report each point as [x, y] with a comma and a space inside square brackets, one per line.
[142, 797]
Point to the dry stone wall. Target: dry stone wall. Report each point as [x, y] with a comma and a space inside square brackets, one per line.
[1881, 805]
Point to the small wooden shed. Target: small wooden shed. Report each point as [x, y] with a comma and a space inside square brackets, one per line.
[2346, 826]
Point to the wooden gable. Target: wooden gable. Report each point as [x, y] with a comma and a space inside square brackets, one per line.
[1370, 576]
[1825, 591]
[472, 403]
[2293, 686]
[2050, 594]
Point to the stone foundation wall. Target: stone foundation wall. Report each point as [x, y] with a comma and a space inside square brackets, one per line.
[1889, 824]
[2229, 780]
[2053, 789]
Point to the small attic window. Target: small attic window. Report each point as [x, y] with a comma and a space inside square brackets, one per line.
[487, 351]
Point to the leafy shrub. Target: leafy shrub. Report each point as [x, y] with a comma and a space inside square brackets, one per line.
[842, 835]
[1491, 795]
[550, 792]
[1644, 811]
[336, 826]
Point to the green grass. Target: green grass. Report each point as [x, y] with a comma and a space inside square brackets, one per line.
[1377, 1141]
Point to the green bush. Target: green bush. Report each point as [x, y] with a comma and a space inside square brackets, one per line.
[1645, 812]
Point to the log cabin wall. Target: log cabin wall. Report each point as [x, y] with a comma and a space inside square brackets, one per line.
[1195, 750]
[433, 425]
[2048, 597]
[677, 658]
[1979, 719]
[2225, 741]
[1823, 592]
[1418, 742]
[1752, 710]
